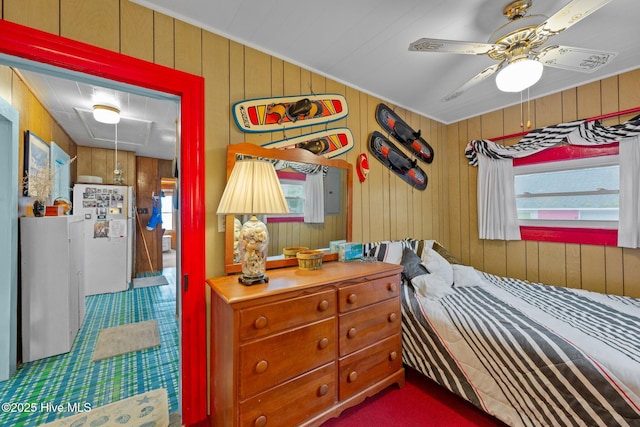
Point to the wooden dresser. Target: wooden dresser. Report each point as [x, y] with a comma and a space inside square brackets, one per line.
[305, 346]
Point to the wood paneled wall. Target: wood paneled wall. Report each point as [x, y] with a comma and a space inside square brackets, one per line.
[101, 162]
[384, 206]
[596, 268]
[33, 117]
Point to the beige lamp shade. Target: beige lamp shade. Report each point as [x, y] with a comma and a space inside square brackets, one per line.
[253, 188]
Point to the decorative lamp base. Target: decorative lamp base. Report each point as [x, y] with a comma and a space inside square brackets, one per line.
[252, 247]
[248, 281]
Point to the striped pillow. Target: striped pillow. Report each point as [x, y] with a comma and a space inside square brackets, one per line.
[391, 250]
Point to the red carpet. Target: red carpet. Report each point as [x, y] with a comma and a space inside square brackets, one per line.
[420, 403]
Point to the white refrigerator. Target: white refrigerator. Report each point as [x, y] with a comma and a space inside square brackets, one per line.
[108, 220]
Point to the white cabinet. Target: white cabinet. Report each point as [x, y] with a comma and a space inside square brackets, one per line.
[53, 289]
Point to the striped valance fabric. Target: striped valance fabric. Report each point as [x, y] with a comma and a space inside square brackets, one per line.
[579, 132]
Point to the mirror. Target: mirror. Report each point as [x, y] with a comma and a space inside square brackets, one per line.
[338, 183]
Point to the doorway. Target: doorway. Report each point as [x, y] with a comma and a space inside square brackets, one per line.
[23, 46]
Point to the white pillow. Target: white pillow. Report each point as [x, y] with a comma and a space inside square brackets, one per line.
[465, 275]
[431, 286]
[436, 264]
[391, 251]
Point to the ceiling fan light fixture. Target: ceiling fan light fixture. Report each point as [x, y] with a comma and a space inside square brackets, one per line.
[106, 114]
[519, 75]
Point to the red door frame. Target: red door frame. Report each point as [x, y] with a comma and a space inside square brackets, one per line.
[28, 43]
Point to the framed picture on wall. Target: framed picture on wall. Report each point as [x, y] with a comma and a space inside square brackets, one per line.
[36, 156]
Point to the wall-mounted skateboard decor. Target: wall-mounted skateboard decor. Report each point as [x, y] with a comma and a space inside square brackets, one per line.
[403, 133]
[288, 112]
[328, 143]
[398, 162]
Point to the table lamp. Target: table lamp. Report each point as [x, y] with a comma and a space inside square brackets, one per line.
[253, 189]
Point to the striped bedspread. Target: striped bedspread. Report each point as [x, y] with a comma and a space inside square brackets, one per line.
[530, 354]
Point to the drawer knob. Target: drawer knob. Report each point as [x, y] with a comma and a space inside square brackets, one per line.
[323, 390]
[352, 298]
[261, 421]
[392, 317]
[324, 305]
[351, 333]
[353, 376]
[391, 286]
[260, 322]
[393, 355]
[323, 343]
[261, 366]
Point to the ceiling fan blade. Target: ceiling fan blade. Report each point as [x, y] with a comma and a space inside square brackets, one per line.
[572, 13]
[575, 58]
[482, 75]
[452, 46]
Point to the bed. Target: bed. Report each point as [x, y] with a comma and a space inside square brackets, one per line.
[529, 354]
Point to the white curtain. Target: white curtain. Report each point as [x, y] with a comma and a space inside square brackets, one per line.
[629, 223]
[314, 198]
[497, 213]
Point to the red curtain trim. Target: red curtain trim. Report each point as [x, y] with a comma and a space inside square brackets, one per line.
[585, 236]
[298, 176]
[285, 219]
[568, 152]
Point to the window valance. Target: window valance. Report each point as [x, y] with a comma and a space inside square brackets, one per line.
[578, 132]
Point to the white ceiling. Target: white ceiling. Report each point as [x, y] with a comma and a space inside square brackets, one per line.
[147, 123]
[364, 43]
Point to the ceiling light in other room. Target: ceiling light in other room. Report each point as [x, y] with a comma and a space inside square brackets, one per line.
[519, 74]
[106, 114]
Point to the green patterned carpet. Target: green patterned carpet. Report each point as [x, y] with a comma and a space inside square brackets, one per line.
[58, 386]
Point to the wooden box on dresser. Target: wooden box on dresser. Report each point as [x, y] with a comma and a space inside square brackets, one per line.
[305, 346]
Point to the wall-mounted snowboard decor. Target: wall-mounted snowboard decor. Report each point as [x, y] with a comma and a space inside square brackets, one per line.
[288, 112]
[393, 158]
[403, 133]
[328, 143]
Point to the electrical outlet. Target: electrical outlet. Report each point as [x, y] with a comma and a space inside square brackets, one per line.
[221, 223]
[143, 211]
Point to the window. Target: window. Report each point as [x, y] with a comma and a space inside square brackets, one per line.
[167, 211]
[294, 194]
[292, 184]
[569, 194]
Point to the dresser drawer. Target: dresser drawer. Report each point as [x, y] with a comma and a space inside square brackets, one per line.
[267, 362]
[271, 318]
[356, 296]
[310, 394]
[368, 366]
[369, 325]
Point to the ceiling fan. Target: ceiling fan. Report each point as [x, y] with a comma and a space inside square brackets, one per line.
[516, 44]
